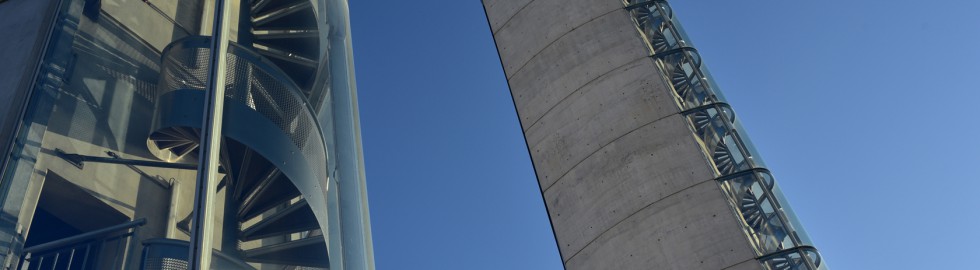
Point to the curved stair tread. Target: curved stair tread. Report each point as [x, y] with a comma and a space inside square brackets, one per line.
[307, 252]
[297, 217]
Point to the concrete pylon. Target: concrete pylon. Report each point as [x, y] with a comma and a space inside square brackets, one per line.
[625, 180]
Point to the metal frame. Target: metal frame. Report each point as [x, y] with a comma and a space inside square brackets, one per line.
[812, 263]
[679, 50]
[79, 160]
[255, 128]
[118, 232]
[86, 236]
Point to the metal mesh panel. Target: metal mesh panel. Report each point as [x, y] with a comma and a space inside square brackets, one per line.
[165, 264]
[260, 86]
[171, 254]
[185, 68]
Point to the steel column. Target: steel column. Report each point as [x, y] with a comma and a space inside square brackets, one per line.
[206, 185]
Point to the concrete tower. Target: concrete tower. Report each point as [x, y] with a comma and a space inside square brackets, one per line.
[639, 158]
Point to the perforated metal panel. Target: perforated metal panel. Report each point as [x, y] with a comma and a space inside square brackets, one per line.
[171, 254]
[164, 264]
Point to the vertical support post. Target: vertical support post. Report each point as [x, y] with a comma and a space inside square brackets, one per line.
[207, 182]
[26, 263]
[54, 264]
[98, 259]
[115, 256]
[134, 238]
[88, 248]
[244, 37]
[230, 225]
[71, 257]
[172, 214]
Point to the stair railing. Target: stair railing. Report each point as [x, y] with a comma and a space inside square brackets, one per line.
[84, 251]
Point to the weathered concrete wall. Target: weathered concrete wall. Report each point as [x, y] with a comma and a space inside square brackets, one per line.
[22, 30]
[623, 177]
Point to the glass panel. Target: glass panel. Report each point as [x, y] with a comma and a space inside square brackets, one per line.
[747, 145]
[710, 83]
[82, 189]
[787, 211]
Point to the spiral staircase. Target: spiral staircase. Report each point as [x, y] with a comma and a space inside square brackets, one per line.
[272, 155]
[746, 185]
[286, 32]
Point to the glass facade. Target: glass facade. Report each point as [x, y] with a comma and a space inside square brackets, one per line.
[772, 228]
[103, 172]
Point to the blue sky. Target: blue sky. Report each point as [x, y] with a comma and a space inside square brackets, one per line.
[862, 110]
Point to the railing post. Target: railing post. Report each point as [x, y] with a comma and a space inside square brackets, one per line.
[54, 262]
[133, 238]
[88, 248]
[26, 262]
[118, 251]
[98, 262]
[71, 258]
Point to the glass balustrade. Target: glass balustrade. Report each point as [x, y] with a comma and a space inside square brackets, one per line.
[775, 232]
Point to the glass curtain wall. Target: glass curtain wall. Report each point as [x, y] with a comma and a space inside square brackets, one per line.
[103, 169]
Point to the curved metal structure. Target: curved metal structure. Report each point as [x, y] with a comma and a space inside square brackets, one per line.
[776, 235]
[273, 155]
[287, 32]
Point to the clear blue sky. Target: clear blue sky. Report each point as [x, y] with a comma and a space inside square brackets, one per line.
[862, 109]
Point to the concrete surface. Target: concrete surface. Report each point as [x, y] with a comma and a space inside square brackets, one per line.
[688, 230]
[23, 30]
[622, 174]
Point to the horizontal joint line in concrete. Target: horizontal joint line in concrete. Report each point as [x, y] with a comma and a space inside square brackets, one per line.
[579, 89]
[504, 25]
[535, 55]
[604, 146]
[736, 264]
[633, 214]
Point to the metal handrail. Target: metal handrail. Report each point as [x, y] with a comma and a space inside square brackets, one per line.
[746, 172]
[716, 105]
[85, 236]
[801, 251]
